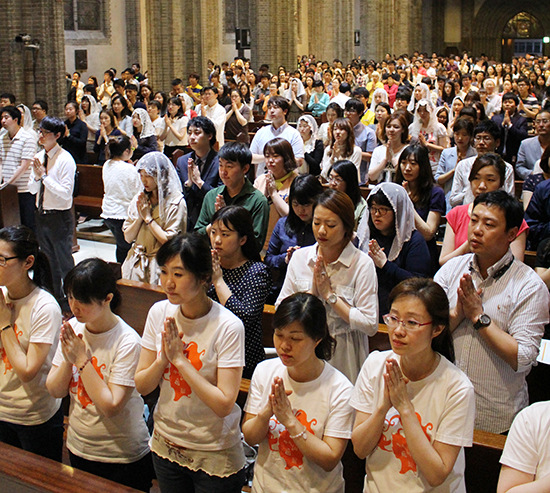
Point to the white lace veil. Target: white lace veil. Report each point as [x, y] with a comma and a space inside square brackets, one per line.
[403, 209]
[416, 125]
[310, 144]
[157, 165]
[384, 98]
[425, 95]
[148, 127]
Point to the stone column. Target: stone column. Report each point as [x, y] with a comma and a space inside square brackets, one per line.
[32, 74]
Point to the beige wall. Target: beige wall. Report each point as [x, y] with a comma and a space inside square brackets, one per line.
[453, 21]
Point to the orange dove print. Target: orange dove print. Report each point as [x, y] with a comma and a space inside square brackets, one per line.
[77, 387]
[397, 443]
[4, 356]
[177, 382]
[287, 448]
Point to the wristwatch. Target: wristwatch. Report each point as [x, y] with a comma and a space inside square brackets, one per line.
[484, 320]
[332, 298]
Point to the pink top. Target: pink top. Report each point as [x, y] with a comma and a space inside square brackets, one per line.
[458, 218]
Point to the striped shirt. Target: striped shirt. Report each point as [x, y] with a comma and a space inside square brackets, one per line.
[518, 302]
[12, 151]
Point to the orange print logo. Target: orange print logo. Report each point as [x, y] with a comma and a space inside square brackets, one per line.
[393, 440]
[77, 387]
[286, 447]
[177, 382]
[4, 356]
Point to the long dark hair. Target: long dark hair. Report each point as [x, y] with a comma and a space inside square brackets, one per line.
[348, 172]
[304, 190]
[238, 219]
[310, 313]
[23, 242]
[92, 280]
[425, 180]
[436, 303]
[125, 110]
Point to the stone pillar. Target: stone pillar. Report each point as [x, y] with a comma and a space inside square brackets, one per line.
[468, 23]
[31, 74]
[273, 33]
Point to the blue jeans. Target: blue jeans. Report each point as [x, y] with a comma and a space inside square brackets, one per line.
[122, 246]
[173, 478]
[45, 439]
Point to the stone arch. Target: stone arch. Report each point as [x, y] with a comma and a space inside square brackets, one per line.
[493, 16]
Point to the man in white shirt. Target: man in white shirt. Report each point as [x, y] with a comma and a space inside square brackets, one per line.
[211, 109]
[17, 149]
[499, 307]
[277, 109]
[52, 180]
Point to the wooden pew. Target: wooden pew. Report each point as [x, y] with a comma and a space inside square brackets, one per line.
[24, 472]
[91, 190]
[482, 462]
[9, 207]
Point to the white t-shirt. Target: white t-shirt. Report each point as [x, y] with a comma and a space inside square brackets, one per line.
[180, 126]
[122, 438]
[122, 183]
[37, 320]
[322, 406]
[527, 446]
[213, 341]
[328, 161]
[444, 405]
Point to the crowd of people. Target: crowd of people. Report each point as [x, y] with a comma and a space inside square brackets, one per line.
[267, 203]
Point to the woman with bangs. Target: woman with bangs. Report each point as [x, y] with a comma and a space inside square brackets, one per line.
[275, 183]
[293, 231]
[174, 135]
[487, 175]
[414, 173]
[341, 146]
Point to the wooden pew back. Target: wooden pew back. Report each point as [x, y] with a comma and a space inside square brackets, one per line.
[90, 189]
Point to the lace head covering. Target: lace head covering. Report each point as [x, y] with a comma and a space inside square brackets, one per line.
[300, 92]
[452, 115]
[310, 144]
[425, 95]
[148, 129]
[157, 165]
[384, 94]
[403, 210]
[27, 117]
[417, 125]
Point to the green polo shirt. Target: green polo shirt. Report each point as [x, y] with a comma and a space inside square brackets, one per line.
[249, 197]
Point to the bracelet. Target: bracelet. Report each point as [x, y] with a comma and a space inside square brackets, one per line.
[84, 365]
[303, 434]
[5, 328]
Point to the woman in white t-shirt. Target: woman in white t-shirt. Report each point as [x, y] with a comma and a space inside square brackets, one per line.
[175, 130]
[30, 318]
[122, 183]
[341, 146]
[95, 364]
[415, 408]
[298, 405]
[194, 349]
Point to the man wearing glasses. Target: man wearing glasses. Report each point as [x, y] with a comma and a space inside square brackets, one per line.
[486, 139]
[530, 150]
[52, 181]
[499, 307]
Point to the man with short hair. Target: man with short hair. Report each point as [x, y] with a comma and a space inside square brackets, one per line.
[17, 149]
[499, 307]
[365, 137]
[77, 82]
[131, 91]
[466, 86]
[127, 75]
[52, 181]
[136, 67]
[277, 109]
[528, 104]
[513, 127]
[119, 86]
[39, 112]
[260, 92]
[531, 149]
[7, 99]
[194, 89]
[210, 108]
[198, 170]
[486, 139]
[234, 163]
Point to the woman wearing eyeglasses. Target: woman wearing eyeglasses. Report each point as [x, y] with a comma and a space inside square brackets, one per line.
[414, 408]
[30, 321]
[388, 234]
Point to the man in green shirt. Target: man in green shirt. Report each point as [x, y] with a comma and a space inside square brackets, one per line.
[234, 162]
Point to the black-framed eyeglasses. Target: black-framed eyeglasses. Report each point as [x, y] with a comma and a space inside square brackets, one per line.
[379, 211]
[4, 260]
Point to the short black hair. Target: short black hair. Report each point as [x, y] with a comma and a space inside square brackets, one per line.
[13, 112]
[131, 87]
[210, 88]
[177, 82]
[54, 125]
[510, 95]
[345, 87]
[356, 105]
[488, 126]
[513, 211]
[194, 251]
[206, 125]
[360, 91]
[119, 83]
[8, 95]
[43, 104]
[280, 102]
[236, 152]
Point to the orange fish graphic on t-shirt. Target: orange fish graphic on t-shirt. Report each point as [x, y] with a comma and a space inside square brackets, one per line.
[177, 382]
[397, 444]
[77, 387]
[4, 356]
[287, 448]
